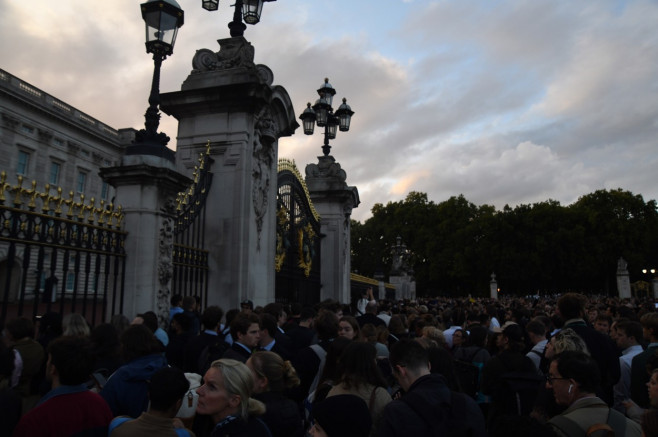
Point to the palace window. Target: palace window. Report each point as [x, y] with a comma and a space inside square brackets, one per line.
[23, 163]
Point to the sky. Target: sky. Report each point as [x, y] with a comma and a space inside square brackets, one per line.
[507, 102]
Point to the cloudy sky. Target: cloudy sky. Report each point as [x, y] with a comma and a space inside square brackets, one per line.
[505, 102]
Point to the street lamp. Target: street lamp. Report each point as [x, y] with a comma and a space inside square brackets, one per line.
[163, 18]
[323, 115]
[249, 10]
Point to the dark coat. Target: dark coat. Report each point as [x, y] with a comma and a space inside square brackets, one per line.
[432, 413]
[370, 318]
[640, 376]
[237, 352]
[195, 346]
[239, 428]
[282, 417]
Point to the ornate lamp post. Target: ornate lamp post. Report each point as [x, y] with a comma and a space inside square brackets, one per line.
[323, 115]
[249, 10]
[163, 18]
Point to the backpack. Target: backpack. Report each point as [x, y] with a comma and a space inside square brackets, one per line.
[468, 375]
[210, 353]
[455, 423]
[615, 426]
[117, 421]
[517, 393]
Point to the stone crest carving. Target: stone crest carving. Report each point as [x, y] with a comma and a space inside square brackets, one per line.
[265, 133]
[327, 167]
[233, 53]
[165, 259]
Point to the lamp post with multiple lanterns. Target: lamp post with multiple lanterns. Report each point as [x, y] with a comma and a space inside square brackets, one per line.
[322, 114]
[163, 18]
[249, 10]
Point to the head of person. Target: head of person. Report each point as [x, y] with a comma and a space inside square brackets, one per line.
[70, 360]
[306, 316]
[226, 391]
[271, 372]
[326, 324]
[176, 300]
[511, 338]
[536, 329]
[478, 336]
[245, 329]
[166, 390]
[268, 328]
[19, 328]
[409, 361]
[397, 325]
[572, 375]
[627, 333]
[602, 323]
[335, 352]
[652, 387]
[181, 323]
[105, 339]
[212, 317]
[138, 341]
[434, 334]
[358, 366]
[571, 306]
[276, 310]
[348, 327]
[565, 340]
[459, 337]
[189, 303]
[148, 319]
[120, 322]
[649, 322]
[341, 416]
[246, 306]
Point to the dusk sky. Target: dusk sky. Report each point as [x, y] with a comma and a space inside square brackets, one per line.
[506, 102]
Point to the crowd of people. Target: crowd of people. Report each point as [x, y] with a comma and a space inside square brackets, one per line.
[567, 365]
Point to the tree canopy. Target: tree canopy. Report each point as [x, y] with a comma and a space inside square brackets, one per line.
[540, 248]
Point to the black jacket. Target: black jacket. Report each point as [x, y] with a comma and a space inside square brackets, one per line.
[282, 416]
[434, 411]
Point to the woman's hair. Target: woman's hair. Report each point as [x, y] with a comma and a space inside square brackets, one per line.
[75, 325]
[354, 324]
[120, 322]
[478, 336]
[649, 423]
[397, 325]
[358, 366]
[105, 340]
[239, 381]
[568, 340]
[279, 373]
[138, 341]
[369, 333]
[578, 365]
[435, 334]
[334, 352]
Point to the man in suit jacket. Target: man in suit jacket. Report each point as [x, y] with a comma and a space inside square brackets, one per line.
[245, 330]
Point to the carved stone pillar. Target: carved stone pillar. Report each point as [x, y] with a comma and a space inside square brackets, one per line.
[334, 201]
[146, 188]
[231, 102]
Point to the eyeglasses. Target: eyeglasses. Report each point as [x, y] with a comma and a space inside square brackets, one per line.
[550, 379]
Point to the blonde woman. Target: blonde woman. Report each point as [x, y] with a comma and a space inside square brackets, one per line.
[272, 377]
[225, 396]
[75, 325]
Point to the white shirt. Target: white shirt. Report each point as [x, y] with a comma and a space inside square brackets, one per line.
[622, 390]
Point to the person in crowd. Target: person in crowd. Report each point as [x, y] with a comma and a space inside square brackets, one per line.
[209, 343]
[166, 390]
[120, 322]
[397, 328]
[536, 332]
[330, 374]
[294, 317]
[50, 327]
[628, 336]
[359, 375]
[571, 306]
[649, 423]
[276, 310]
[456, 320]
[302, 334]
[246, 306]
[371, 334]
[190, 310]
[245, 330]
[19, 333]
[349, 328]
[459, 339]
[574, 377]
[225, 396]
[475, 349]
[126, 392]
[428, 407]
[341, 416]
[150, 320]
[106, 349]
[272, 377]
[176, 302]
[510, 358]
[308, 361]
[385, 311]
[367, 296]
[75, 325]
[639, 374]
[226, 331]
[370, 315]
[10, 402]
[180, 335]
[267, 340]
[69, 409]
[633, 410]
[603, 323]
[434, 334]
